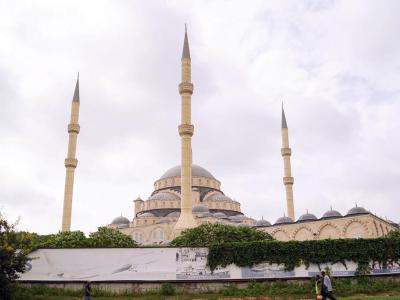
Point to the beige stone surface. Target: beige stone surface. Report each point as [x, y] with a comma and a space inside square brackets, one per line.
[70, 165]
[287, 179]
[186, 219]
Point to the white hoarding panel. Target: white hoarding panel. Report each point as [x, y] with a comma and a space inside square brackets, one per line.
[161, 264]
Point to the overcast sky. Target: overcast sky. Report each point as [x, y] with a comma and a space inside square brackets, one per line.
[336, 65]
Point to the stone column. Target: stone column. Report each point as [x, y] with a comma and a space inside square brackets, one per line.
[71, 162]
[186, 219]
[288, 180]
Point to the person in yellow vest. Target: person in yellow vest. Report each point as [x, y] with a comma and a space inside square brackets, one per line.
[317, 289]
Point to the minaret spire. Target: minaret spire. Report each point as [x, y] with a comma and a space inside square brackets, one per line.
[76, 92]
[71, 162]
[284, 124]
[186, 219]
[186, 51]
[288, 180]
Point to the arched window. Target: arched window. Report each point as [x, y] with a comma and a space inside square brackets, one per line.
[158, 235]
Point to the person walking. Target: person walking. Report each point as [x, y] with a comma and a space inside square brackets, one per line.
[326, 287]
[88, 291]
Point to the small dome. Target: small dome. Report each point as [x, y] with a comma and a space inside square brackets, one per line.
[219, 197]
[138, 199]
[357, 210]
[174, 214]
[164, 196]
[236, 218]
[205, 215]
[331, 214]
[307, 217]
[120, 220]
[283, 220]
[200, 208]
[262, 223]
[219, 215]
[196, 171]
[146, 214]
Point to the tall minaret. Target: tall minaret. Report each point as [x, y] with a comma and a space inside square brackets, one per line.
[288, 180]
[71, 161]
[186, 219]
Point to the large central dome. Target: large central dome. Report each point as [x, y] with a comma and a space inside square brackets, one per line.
[196, 171]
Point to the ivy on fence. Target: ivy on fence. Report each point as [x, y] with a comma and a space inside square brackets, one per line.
[384, 251]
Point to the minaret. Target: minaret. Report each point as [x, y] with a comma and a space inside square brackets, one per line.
[288, 180]
[186, 219]
[71, 161]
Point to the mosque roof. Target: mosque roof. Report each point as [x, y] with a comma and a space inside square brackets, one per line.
[219, 215]
[200, 208]
[120, 220]
[236, 218]
[146, 214]
[331, 214]
[196, 171]
[174, 214]
[205, 214]
[219, 197]
[283, 220]
[164, 196]
[357, 210]
[262, 223]
[307, 217]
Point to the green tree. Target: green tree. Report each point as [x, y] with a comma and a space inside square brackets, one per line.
[110, 238]
[394, 234]
[14, 248]
[210, 234]
[67, 239]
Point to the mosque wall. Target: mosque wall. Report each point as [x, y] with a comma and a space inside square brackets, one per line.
[146, 231]
[358, 226]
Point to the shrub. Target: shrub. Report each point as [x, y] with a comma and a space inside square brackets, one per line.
[167, 289]
[110, 238]
[210, 234]
[67, 239]
[14, 248]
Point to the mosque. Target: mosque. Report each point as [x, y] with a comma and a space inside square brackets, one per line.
[188, 195]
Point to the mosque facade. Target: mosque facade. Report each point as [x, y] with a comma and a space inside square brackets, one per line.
[188, 195]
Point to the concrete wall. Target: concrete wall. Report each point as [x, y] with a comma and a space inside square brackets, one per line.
[181, 287]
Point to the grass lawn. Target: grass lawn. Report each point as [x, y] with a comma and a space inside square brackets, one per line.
[209, 297]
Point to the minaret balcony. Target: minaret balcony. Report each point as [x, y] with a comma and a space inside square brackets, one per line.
[288, 180]
[186, 88]
[71, 162]
[286, 151]
[186, 129]
[74, 128]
